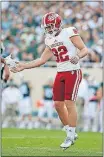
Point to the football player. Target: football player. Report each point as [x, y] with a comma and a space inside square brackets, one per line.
[63, 43]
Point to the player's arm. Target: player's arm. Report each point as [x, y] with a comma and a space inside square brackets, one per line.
[46, 55]
[78, 43]
[75, 38]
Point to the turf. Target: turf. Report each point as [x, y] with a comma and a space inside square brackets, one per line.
[22, 142]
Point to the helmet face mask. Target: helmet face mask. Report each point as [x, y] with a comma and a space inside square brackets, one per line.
[49, 28]
[51, 23]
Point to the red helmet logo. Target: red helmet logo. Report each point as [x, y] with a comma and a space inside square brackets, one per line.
[51, 17]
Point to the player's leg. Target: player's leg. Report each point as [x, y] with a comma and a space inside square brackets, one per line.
[58, 96]
[71, 125]
[62, 112]
[64, 117]
[71, 90]
[72, 112]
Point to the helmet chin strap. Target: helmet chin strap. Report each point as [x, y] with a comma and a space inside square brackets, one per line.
[54, 33]
[59, 30]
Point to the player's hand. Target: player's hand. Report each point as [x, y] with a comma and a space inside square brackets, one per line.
[74, 59]
[19, 67]
[2, 60]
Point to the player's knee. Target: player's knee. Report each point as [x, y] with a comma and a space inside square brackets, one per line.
[69, 102]
[58, 104]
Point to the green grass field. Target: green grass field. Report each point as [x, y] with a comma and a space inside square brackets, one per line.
[21, 142]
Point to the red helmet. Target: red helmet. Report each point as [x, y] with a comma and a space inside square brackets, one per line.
[51, 23]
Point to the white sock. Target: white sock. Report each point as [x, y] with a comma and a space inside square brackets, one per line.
[68, 129]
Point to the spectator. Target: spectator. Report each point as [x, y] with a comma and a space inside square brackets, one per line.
[25, 105]
[22, 20]
[46, 106]
[11, 97]
[32, 50]
[92, 105]
[82, 101]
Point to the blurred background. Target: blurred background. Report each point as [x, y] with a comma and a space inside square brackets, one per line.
[27, 96]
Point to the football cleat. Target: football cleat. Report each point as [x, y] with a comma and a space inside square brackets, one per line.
[67, 143]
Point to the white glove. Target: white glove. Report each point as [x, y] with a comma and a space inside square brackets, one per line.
[10, 62]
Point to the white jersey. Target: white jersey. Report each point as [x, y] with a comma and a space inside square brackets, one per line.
[63, 49]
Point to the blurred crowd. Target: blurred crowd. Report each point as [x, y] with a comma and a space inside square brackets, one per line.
[23, 36]
[19, 111]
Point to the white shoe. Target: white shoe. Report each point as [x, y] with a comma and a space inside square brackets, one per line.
[67, 143]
